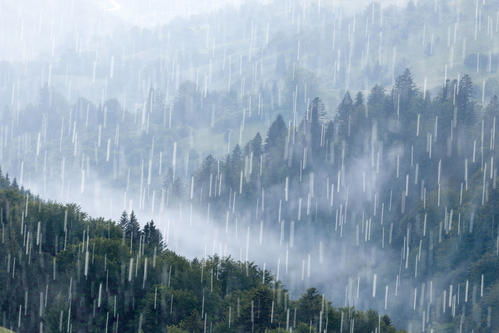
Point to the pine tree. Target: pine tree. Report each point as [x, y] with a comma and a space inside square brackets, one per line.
[234, 168]
[208, 167]
[275, 144]
[256, 315]
[316, 109]
[329, 139]
[133, 227]
[257, 150]
[345, 110]
[256, 145]
[152, 236]
[124, 221]
[276, 137]
[376, 97]
[404, 90]
[309, 306]
[463, 100]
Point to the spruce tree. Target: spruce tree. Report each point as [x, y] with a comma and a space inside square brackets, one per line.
[463, 100]
[276, 138]
[344, 115]
[274, 150]
[316, 109]
[152, 236]
[404, 89]
[133, 227]
[124, 221]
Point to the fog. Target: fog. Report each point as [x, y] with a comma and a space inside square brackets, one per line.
[342, 271]
[32, 29]
[116, 104]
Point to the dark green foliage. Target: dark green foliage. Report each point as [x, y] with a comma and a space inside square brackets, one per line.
[130, 226]
[422, 171]
[65, 271]
[152, 237]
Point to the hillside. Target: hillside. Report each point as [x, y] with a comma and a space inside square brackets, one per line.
[398, 190]
[308, 165]
[65, 271]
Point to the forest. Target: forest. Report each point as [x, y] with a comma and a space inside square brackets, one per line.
[249, 166]
[403, 176]
[67, 272]
[402, 171]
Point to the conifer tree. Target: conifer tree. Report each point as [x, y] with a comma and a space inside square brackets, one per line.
[152, 236]
[463, 100]
[276, 137]
[404, 90]
[343, 118]
[124, 221]
[133, 227]
[275, 144]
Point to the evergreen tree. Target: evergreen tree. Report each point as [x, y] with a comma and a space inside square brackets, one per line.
[329, 138]
[275, 144]
[343, 118]
[376, 97]
[208, 167]
[316, 109]
[256, 145]
[152, 236]
[404, 90]
[359, 99]
[257, 150]
[256, 316]
[133, 227]
[276, 137]
[309, 306]
[464, 103]
[193, 323]
[234, 168]
[124, 221]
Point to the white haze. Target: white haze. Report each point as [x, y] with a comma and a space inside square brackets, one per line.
[340, 269]
[30, 29]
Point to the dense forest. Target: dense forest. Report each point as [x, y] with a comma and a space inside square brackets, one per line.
[63, 271]
[279, 166]
[402, 177]
[402, 171]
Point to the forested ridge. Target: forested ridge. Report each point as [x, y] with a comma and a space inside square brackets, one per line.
[279, 166]
[63, 271]
[406, 179]
[399, 170]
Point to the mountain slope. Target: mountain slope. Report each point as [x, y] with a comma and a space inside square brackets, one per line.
[64, 271]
